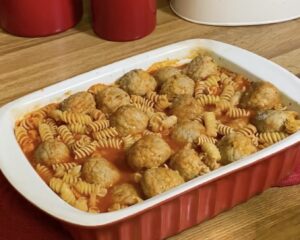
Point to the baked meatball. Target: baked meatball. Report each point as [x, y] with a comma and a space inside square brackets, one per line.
[165, 73]
[51, 152]
[129, 120]
[187, 131]
[159, 180]
[149, 152]
[235, 146]
[201, 67]
[137, 82]
[123, 196]
[81, 102]
[178, 85]
[99, 170]
[186, 108]
[272, 120]
[188, 163]
[111, 98]
[261, 96]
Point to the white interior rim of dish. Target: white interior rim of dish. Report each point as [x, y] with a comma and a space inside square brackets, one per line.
[25, 180]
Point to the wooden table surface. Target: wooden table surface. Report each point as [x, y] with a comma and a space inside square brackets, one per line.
[27, 65]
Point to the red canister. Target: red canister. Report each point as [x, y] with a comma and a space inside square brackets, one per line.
[35, 18]
[123, 20]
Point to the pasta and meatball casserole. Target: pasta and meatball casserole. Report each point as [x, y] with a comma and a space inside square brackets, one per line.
[113, 146]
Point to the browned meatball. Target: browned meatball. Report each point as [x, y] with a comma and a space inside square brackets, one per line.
[159, 180]
[149, 152]
[261, 96]
[186, 108]
[99, 170]
[187, 131]
[51, 152]
[272, 120]
[188, 163]
[165, 73]
[123, 196]
[201, 67]
[178, 85]
[235, 146]
[111, 98]
[129, 120]
[81, 102]
[137, 82]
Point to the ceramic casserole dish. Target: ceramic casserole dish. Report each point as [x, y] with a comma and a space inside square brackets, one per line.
[179, 208]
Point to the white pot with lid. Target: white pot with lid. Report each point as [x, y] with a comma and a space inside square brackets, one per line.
[236, 12]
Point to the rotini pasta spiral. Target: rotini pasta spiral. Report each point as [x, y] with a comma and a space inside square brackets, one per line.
[200, 88]
[97, 125]
[82, 142]
[135, 99]
[77, 128]
[61, 168]
[227, 93]
[248, 130]
[148, 132]
[85, 151]
[148, 110]
[75, 171]
[97, 114]
[44, 111]
[106, 133]
[30, 123]
[70, 117]
[208, 100]
[44, 172]
[88, 188]
[45, 132]
[66, 166]
[224, 105]
[70, 179]
[129, 140]
[224, 130]
[56, 184]
[52, 125]
[203, 138]
[114, 143]
[212, 80]
[234, 112]
[67, 194]
[210, 123]
[22, 136]
[271, 137]
[66, 135]
[161, 102]
[226, 80]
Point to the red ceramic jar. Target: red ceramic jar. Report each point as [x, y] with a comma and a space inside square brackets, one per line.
[123, 20]
[36, 18]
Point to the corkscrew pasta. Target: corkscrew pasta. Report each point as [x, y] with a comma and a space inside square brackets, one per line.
[113, 146]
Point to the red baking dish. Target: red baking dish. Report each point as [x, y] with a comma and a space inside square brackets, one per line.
[179, 208]
[31, 18]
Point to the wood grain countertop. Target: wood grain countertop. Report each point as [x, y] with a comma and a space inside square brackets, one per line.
[27, 65]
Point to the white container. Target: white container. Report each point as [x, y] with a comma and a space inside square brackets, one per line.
[236, 12]
[26, 181]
